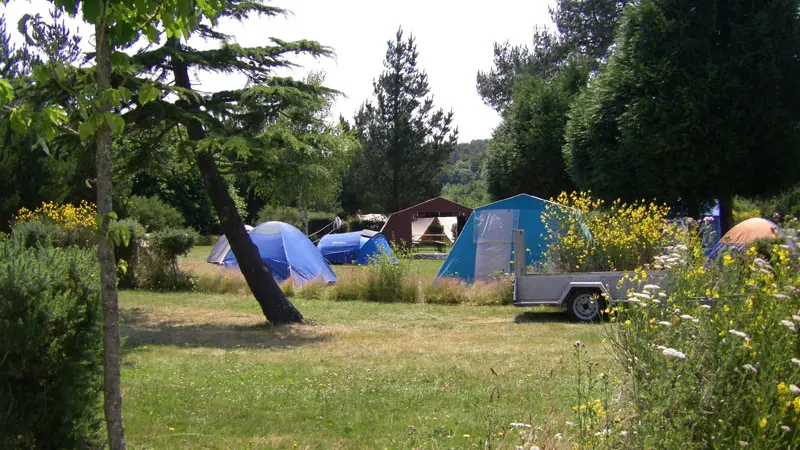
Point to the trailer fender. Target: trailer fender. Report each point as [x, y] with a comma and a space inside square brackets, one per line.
[582, 285]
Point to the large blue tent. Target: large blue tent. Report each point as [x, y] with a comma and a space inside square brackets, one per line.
[485, 246]
[357, 247]
[289, 253]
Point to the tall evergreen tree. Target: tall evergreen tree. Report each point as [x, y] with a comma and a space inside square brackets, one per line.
[405, 142]
[235, 130]
[700, 101]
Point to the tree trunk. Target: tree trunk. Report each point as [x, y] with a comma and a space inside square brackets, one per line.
[303, 212]
[112, 393]
[274, 304]
[725, 212]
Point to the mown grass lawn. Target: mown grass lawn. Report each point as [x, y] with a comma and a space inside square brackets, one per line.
[205, 371]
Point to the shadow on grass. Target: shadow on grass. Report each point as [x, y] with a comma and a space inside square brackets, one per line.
[544, 315]
[137, 328]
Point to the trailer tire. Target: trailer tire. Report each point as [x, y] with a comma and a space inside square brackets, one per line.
[585, 305]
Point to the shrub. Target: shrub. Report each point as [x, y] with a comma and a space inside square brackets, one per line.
[59, 225]
[722, 374]
[51, 347]
[153, 214]
[585, 235]
[162, 272]
[389, 280]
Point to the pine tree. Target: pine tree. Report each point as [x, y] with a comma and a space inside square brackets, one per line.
[405, 142]
[232, 131]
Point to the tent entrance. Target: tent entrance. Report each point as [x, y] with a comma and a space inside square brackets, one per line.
[493, 233]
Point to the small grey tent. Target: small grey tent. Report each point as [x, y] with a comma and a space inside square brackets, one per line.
[222, 248]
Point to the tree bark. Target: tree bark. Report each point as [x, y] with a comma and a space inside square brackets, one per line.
[725, 212]
[303, 213]
[274, 304]
[112, 393]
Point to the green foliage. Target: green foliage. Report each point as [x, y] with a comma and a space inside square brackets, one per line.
[153, 213]
[585, 29]
[316, 219]
[170, 243]
[127, 236]
[525, 153]
[722, 375]
[388, 280]
[44, 233]
[463, 180]
[404, 141]
[671, 115]
[50, 372]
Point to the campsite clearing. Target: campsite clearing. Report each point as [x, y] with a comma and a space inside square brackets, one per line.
[205, 371]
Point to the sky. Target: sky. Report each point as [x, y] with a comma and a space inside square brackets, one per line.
[454, 41]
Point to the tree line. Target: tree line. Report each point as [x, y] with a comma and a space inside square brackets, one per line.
[685, 103]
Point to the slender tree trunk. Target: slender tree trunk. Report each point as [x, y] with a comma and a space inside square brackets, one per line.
[112, 393]
[274, 304]
[303, 212]
[725, 212]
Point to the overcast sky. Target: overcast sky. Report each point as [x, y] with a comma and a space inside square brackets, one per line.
[454, 40]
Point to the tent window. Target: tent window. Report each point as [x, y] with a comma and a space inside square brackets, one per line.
[495, 226]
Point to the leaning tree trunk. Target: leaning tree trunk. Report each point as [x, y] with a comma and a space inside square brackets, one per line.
[303, 213]
[274, 304]
[112, 393]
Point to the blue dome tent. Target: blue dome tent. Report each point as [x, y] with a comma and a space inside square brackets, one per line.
[289, 253]
[358, 247]
[485, 245]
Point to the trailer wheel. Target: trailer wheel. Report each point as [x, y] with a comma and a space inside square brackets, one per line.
[585, 305]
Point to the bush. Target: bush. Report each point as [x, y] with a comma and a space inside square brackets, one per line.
[59, 225]
[721, 375]
[51, 347]
[153, 214]
[391, 281]
[224, 283]
[161, 264]
[584, 235]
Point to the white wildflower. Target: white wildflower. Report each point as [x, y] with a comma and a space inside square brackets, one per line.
[795, 317]
[662, 295]
[634, 300]
[760, 262]
[651, 287]
[665, 323]
[744, 443]
[677, 311]
[661, 347]
[559, 436]
[520, 425]
[656, 302]
[672, 353]
[570, 424]
[794, 389]
[705, 306]
[603, 432]
[789, 324]
[642, 295]
[786, 429]
[738, 333]
[796, 361]
[681, 247]
[688, 317]
[764, 271]
[577, 344]
[535, 447]
[780, 296]
[750, 368]
[623, 432]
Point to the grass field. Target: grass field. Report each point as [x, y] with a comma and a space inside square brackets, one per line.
[205, 371]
